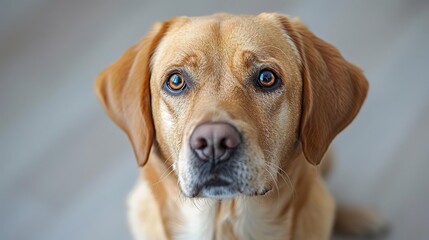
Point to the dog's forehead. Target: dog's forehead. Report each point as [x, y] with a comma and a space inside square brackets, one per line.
[221, 37]
[225, 29]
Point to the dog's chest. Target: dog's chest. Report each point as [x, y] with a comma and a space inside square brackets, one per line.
[195, 220]
[230, 220]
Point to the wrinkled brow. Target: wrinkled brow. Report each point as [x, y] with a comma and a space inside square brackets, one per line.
[247, 58]
[185, 60]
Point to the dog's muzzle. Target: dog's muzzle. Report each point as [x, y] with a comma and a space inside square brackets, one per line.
[214, 145]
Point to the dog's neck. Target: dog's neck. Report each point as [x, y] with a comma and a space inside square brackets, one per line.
[263, 217]
[242, 217]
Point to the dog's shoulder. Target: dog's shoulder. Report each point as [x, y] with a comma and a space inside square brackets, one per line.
[144, 215]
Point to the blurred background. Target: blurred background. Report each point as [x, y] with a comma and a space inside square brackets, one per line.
[66, 169]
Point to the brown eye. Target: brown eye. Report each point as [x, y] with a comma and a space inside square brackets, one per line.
[266, 78]
[176, 82]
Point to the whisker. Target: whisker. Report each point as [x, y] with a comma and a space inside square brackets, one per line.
[163, 176]
[282, 172]
[275, 182]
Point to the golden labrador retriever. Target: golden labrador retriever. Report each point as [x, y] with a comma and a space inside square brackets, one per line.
[230, 115]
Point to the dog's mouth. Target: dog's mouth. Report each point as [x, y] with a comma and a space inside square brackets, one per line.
[219, 178]
[221, 188]
[216, 187]
[217, 182]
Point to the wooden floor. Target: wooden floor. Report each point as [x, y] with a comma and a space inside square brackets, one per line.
[66, 169]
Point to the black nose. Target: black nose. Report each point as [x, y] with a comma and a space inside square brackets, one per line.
[214, 141]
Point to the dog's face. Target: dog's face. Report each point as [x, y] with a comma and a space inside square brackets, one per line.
[231, 99]
[214, 80]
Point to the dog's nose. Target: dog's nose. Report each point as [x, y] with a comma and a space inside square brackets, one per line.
[214, 141]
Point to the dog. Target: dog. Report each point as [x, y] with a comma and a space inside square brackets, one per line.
[231, 117]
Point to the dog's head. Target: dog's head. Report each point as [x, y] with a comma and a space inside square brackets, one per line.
[229, 99]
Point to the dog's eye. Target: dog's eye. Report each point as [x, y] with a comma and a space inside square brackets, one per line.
[266, 78]
[176, 82]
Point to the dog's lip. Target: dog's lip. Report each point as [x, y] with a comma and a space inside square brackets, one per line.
[217, 182]
[212, 182]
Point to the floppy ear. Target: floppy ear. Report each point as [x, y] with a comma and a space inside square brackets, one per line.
[333, 90]
[123, 89]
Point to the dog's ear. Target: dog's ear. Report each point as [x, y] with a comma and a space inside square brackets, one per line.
[333, 90]
[123, 89]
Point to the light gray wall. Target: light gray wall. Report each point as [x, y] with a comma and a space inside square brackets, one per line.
[65, 168]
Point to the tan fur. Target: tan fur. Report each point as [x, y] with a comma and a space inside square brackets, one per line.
[288, 131]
